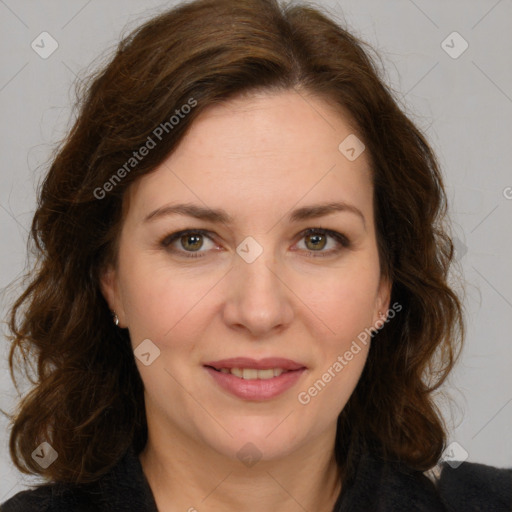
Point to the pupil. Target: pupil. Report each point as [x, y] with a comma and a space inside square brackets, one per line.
[316, 244]
[192, 237]
[314, 239]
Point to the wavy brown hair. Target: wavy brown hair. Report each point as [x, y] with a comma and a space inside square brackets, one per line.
[87, 398]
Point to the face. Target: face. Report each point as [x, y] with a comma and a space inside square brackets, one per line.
[255, 284]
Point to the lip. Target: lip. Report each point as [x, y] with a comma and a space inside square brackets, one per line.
[256, 389]
[261, 364]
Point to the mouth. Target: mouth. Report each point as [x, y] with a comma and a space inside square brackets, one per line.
[252, 373]
[258, 364]
[255, 380]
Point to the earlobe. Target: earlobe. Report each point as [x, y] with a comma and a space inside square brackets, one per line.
[108, 286]
[383, 299]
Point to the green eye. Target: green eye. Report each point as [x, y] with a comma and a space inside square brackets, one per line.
[190, 242]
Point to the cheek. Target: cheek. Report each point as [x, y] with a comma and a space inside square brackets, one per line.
[158, 302]
[346, 309]
[329, 387]
[343, 302]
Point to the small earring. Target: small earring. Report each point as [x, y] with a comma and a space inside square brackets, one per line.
[116, 318]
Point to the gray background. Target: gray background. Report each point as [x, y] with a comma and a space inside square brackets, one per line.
[463, 104]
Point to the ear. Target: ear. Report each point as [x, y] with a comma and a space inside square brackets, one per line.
[383, 299]
[110, 290]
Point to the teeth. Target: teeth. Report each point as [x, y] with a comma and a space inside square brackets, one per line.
[252, 373]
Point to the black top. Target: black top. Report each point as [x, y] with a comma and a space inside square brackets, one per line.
[378, 486]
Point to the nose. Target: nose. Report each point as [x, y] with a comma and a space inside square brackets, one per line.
[259, 299]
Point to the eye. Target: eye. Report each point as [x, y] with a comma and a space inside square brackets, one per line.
[316, 238]
[191, 241]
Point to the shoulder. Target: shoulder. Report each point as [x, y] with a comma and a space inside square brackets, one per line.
[48, 498]
[33, 500]
[474, 487]
[123, 488]
[393, 486]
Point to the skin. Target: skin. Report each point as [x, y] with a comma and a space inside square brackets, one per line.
[258, 157]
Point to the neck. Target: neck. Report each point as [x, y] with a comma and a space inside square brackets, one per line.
[193, 478]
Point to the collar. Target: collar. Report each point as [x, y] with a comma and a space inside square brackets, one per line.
[377, 485]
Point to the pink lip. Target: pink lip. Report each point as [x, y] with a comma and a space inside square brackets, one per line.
[255, 389]
[262, 364]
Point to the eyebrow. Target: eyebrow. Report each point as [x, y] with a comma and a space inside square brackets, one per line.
[221, 216]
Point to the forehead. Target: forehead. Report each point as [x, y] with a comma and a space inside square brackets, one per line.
[280, 128]
[262, 152]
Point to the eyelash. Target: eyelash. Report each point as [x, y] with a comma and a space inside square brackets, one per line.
[339, 237]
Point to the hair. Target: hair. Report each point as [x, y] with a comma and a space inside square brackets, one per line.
[87, 400]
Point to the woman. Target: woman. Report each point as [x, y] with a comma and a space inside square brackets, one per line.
[241, 301]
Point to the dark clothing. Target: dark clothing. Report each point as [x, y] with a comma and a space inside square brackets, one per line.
[378, 486]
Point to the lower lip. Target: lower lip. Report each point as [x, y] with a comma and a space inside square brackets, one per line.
[256, 389]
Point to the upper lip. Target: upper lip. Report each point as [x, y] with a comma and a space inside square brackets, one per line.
[258, 364]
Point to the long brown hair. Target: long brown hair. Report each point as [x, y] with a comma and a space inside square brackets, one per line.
[87, 400]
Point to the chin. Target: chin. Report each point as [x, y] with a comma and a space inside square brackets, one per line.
[250, 443]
